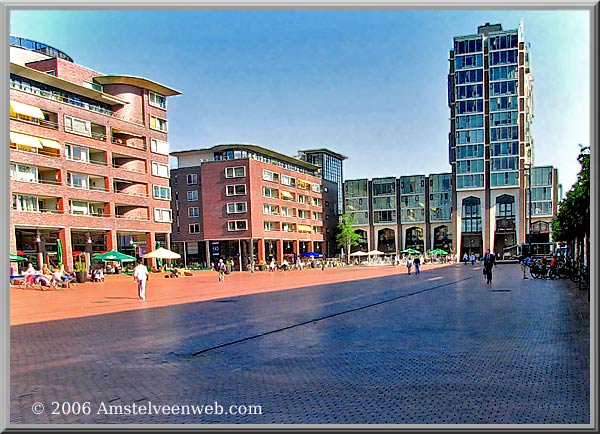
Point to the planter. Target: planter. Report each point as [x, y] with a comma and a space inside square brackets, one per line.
[228, 269]
[81, 276]
[262, 267]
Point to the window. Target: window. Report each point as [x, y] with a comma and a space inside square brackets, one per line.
[193, 212]
[20, 172]
[270, 192]
[318, 202]
[77, 153]
[288, 180]
[25, 203]
[236, 190]
[288, 227]
[237, 225]
[235, 172]
[160, 192]
[303, 199]
[192, 195]
[270, 226]
[158, 124]
[79, 208]
[270, 209]
[162, 215]
[236, 207]
[317, 216]
[316, 188]
[317, 229]
[78, 126]
[77, 180]
[194, 228]
[159, 146]
[270, 176]
[192, 179]
[288, 212]
[303, 214]
[161, 170]
[157, 100]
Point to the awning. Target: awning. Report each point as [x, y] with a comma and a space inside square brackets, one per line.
[286, 195]
[53, 144]
[26, 110]
[304, 228]
[25, 140]
[127, 133]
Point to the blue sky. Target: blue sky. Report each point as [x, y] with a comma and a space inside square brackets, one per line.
[371, 85]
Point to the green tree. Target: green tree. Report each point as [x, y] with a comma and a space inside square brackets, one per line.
[346, 237]
[572, 221]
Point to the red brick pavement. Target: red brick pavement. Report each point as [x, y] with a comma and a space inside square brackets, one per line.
[119, 292]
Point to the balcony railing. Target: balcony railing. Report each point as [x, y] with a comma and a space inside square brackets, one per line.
[36, 151]
[123, 142]
[40, 210]
[41, 122]
[132, 194]
[97, 162]
[90, 188]
[90, 214]
[36, 181]
[74, 102]
[129, 169]
[126, 217]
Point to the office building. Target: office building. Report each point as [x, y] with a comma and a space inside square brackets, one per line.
[490, 95]
[244, 202]
[88, 159]
[331, 167]
[393, 214]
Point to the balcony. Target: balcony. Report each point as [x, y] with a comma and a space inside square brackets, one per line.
[131, 212]
[129, 139]
[58, 96]
[130, 188]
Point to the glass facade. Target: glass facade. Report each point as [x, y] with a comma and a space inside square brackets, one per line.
[331, 168]
[384, 200]
[541, 191]
[485, 69]
[357, 200]
[440, 197]
[412, 199]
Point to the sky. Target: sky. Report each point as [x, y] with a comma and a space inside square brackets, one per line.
[371, 85]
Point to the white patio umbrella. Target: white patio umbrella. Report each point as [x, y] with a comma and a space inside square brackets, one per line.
[359, 253]
[375, 253]
[162, 253]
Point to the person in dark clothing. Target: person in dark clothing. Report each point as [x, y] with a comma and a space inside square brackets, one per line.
[417, 263]
[488, 264]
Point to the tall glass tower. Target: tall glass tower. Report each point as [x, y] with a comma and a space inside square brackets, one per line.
[490, 96]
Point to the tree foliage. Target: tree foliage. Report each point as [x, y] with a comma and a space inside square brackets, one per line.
[347, 237]
[572, 221]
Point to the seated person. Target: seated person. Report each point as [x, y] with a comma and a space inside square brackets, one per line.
[58, 278]
[98, 275]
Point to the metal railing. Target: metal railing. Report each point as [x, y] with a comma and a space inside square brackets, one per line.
[128, 169]
[40, 210]
[132, 194]
[36, 181]
[123, 142]
[41, 122]
[56, 96]
[37, 151]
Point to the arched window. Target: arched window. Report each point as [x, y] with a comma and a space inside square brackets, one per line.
[386, 240]
[471, 214]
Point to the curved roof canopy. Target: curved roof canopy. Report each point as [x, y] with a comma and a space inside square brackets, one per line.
[141, 82]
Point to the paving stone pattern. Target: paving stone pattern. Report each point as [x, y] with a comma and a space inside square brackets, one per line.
[438, 348]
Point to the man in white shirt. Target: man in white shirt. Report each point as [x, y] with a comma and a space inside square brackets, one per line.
[140, 274]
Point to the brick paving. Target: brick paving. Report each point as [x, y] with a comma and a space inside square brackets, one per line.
[352, 346]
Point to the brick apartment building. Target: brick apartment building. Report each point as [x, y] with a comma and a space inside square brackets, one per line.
[88, 159]
[238, 201]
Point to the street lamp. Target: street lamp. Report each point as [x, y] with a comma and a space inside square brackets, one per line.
[527, 171]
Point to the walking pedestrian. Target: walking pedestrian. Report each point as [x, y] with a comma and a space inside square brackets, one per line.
[524, 264]
[417, 265]
[408, 265]
[140, 274]
[473, 259]
[221, 267]
[465, 258]
[488, 264]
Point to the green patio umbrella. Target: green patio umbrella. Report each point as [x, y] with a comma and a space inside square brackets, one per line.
[438, 252]
[114, 255]
[16, 258]
[410, 251]
[59, 252]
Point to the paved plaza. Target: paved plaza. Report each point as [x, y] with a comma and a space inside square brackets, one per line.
[343, 346]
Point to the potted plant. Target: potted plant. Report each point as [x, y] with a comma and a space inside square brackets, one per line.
[80, 271]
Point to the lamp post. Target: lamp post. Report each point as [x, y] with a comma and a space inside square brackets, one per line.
[527, 170]
[88, 252]
[40, 255]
